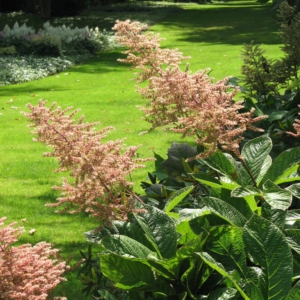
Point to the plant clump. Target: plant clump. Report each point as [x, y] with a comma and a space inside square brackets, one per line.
[100, 170]
[27, 272]
[190, 104]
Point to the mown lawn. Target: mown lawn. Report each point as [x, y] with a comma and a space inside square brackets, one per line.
[212, 35]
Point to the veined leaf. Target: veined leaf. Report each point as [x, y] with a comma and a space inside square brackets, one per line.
[265, 167]
[129, 272]
[187, 214]
[255, 153]
[252, 291]
[277, 197]
[160, 230]
[226, 211]
[225, 244]
[294, 189]
[290, 175]
[215, 183]
[281, 165]
[222, 164]
[220, 269]
[292, 236]
[123, 245]
[292, 217]
[245, 191]
[177, 197]
[267, 246]
[204, 222]
[294, 292]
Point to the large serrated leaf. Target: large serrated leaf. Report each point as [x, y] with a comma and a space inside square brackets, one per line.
[160, 230]
[177, 197]
[131, 273]
[255, 153]
[267, 246]
[177, 152]
[277, 197]
[292, 217]
[294, 189]
[124, 246]
[281, 165]
[222, 163]
[253, 291]
[221, 270]
[226, 211]
[225, 244]
[294, 293]
[293, 238]
[245, 191]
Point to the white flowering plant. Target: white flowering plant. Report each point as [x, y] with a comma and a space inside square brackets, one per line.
[54, 41]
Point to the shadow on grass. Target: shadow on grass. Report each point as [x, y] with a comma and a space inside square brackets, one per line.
[232, 23]
[105, 62]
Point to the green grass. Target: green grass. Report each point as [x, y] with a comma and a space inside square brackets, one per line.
[212, 34]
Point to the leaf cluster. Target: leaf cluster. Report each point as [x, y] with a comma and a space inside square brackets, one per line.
[242, 242]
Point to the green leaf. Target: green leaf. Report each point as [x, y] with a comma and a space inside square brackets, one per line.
[276, 216]
[268, 248]
[220, 269]
[225, 211]
[160, 230]
[225, 244]
[215, 183]
[286, 160]
[204, 222]
[159, 172]
[294, 189]
[252, 291]
[187, 214]
[223, 164]
[293, 238]
[177, 152]
[245, 191]
[277, 115]
[177, 197]
[294, 293]
[292, 217]
[277, 197]
[128, 272]
[123, 245]
[255, 153]
[223, 294]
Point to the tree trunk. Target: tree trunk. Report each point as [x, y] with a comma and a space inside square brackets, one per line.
[45, 9]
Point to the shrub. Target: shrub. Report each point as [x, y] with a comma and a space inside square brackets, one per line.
[272, 86]
[27, 272]
[27, 68]
[101, 170]
[54, 41]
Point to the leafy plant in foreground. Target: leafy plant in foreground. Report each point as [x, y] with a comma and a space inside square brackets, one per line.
[243, 243]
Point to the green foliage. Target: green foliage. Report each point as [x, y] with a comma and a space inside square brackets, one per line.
[7, 50]
[265, 80]
[242, 242]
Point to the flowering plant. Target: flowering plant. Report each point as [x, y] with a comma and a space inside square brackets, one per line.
[27, 272]
[100, 169]
[190, 103]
